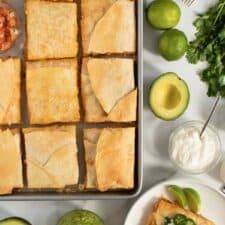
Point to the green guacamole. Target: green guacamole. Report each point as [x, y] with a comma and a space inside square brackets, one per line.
[80, 217]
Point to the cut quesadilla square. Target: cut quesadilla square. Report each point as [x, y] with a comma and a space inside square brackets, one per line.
[163, 209]
[110, 157]
[10, 91]
[10, 161]
[52, 91]
[51, 29]
[108, 26]
[51, 156]
[108, 90]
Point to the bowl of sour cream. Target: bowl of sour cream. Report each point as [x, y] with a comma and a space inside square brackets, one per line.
[194, 154]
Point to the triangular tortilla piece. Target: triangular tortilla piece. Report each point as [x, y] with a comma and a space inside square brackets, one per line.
[42, 143]
[90, 153]
[53, 151]
[10, 162]
[111, 79]
[93, 109]
[92, 12]
[10, 81]
[164, 208]
[91, 137]
[38, 177]
[115, 31]
[7, 73]
[126, 109]
[115, 158]
[17, 139]
[4, 190]
[63, 165]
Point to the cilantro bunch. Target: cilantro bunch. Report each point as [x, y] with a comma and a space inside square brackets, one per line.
[209, 45]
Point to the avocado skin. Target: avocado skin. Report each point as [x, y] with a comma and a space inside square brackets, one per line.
[149, 93]
[80, 217]
[16, 220]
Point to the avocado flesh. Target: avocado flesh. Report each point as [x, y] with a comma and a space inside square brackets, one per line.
[168, 96]
[14, 221]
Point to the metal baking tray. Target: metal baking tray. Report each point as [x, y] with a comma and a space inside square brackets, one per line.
[25, 194]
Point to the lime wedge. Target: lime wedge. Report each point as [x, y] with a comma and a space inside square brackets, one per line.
[178, 194]
[194, 199]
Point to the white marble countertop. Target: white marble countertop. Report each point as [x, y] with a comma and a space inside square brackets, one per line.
[156, 132]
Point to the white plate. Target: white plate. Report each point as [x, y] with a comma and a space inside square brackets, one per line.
[213, 203]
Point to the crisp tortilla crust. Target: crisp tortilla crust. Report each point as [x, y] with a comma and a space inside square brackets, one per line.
[164, 208]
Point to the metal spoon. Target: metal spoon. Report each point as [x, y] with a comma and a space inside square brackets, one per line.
[223, 189]
[206, 124]
[210, 116]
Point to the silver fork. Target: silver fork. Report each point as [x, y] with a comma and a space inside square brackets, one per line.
[188, 2]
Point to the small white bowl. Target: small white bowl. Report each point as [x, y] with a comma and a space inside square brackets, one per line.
[217, 156]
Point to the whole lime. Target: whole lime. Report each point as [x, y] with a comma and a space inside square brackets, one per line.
[173, 44]
[163, 14]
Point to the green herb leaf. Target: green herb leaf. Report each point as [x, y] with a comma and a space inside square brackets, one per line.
[209, 46]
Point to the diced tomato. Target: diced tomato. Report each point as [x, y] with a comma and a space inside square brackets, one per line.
[5, 46]
[2, 21]
[8, 28]
[12, 21]
[4, 11]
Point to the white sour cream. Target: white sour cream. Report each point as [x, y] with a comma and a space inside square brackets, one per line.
[192, 152]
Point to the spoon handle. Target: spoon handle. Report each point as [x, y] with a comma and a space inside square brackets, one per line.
[210, 115]
[223, 189]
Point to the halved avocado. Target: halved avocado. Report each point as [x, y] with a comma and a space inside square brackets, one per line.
[168, 96]
[80, 217]
[14, 221]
